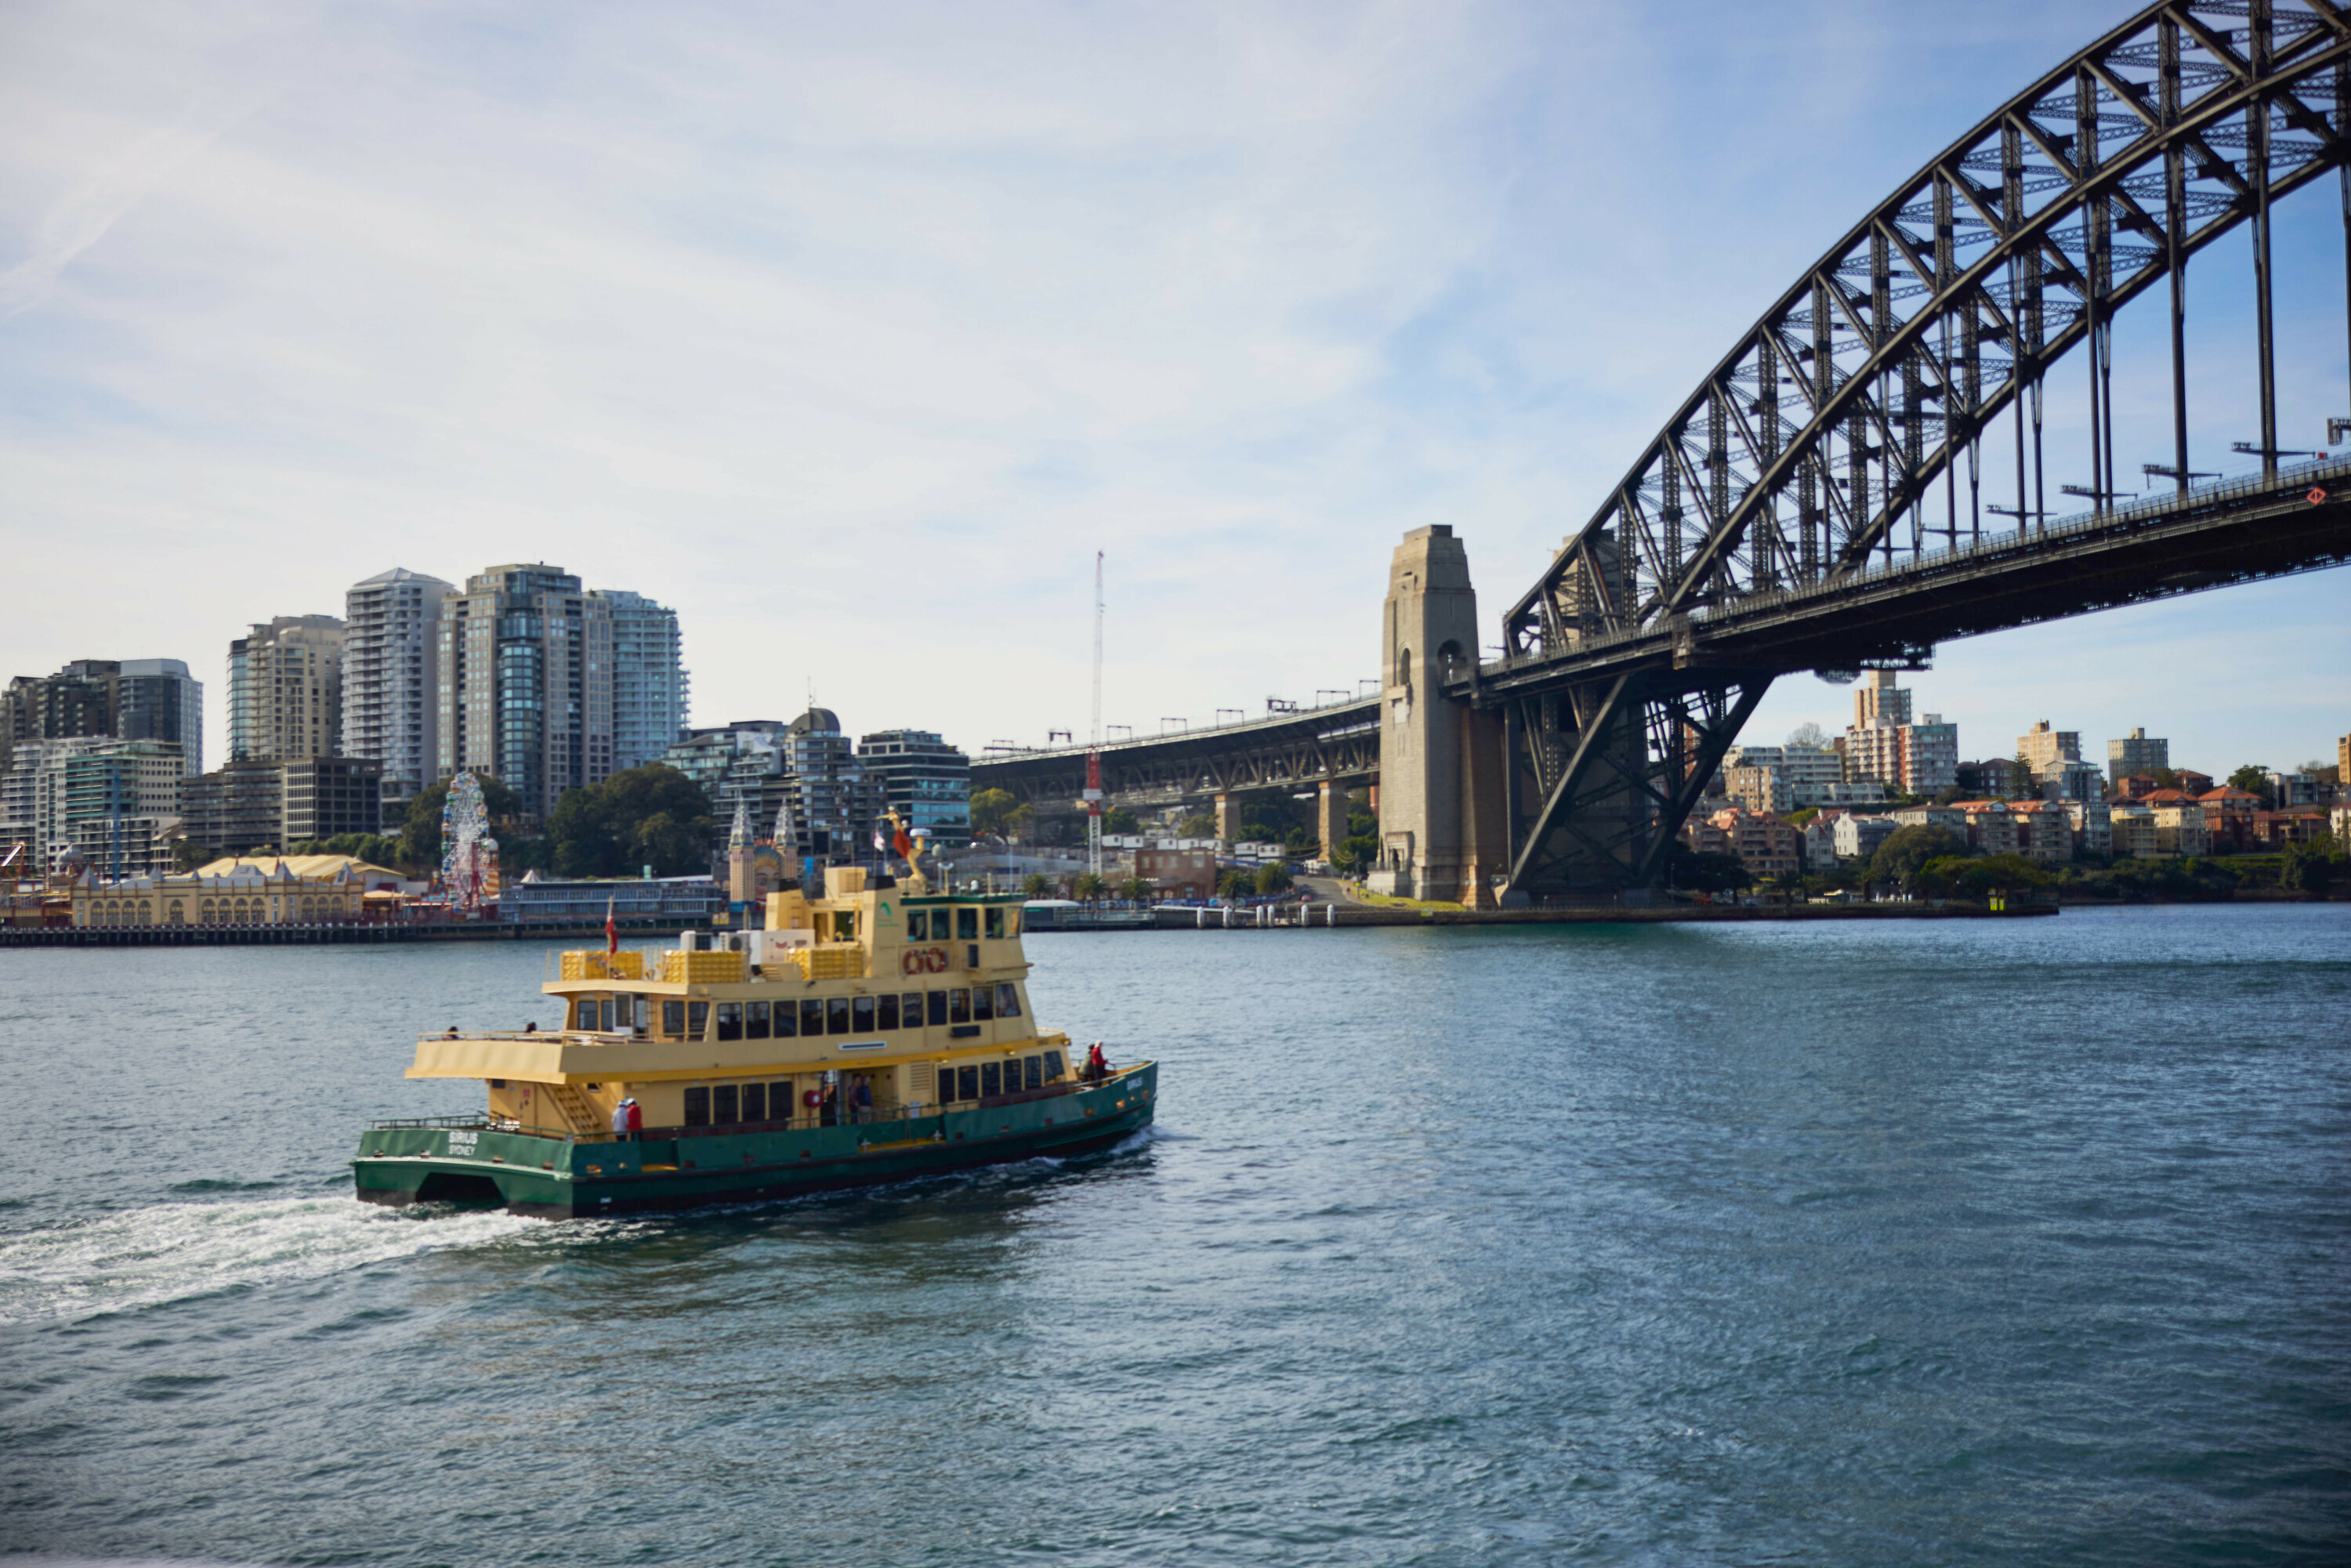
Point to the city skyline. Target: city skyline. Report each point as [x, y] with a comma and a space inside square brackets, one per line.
[1237, 306]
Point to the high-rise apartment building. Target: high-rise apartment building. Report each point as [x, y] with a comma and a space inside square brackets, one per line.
[390, 677]
[2044, 749]
[1879, 701]
[649, 678]
[923, 779]
[1920, 759]
[92, 800]
[127, 700]
[2138, 753]
[286, 689]
[525, 678]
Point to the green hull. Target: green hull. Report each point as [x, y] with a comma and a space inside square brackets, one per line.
[558, 1178]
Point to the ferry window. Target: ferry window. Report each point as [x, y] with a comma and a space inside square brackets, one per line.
[1008, 1001]
[674, 1020]
[604, 1020]
[584, 1014]
[885, 1011]
[755, 1102]
[836, 1015]
[697, 1107]
[909, 1010]
[1052, 1066]
[1035, 1072]
[983, 1003]
[991, 1079]
[779, 1099]
[812, 1015]
[724, 1105]
[996, 922]
[861, 1015]
[967, 924]
[918, 925]
[1015, 928]
[731, 1022]
[946, 1086]
[755, 1020]
[844, 926]
[968, 1083]
[697, 1019]
[959, 1006]
[971, 956]
[788, 1018]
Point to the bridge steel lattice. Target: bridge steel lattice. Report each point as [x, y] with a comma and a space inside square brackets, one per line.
[1817, 502]
[1338, 743]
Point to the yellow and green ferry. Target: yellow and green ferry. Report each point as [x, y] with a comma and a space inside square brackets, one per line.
[877, 1032]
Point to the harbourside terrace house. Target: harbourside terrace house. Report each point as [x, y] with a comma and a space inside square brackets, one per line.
[1765, 844]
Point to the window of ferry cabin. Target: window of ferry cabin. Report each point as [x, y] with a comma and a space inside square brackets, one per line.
[812, 1015]
[861, 1015]
[779, 1099]
[886, 1010]
[996, 922]
[1008, 1001]
[730, 1024]
[697, 1019]
[934, 1009]
[959, 1006]
[983, 1003]
[1034, 1072]
[755, 1102]
[755, 1023]
[726, 1107]
[836, 1015]
[909, 1010]
[583, 1013]
[991, 1079]
[787, 1020]
[672, 1020]
[697, 1107]
[844, 926]
[1052, 1066]
[968, 1083]
[967, 924]
[918, 925]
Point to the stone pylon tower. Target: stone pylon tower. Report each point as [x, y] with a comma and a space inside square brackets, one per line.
[1440, 830]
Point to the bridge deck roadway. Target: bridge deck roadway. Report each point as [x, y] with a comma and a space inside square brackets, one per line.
[1338, 742]
[2234, 532]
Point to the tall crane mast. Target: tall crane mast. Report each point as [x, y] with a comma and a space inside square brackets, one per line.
[1093, 742]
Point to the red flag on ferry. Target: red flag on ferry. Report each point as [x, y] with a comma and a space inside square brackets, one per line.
[611, 929]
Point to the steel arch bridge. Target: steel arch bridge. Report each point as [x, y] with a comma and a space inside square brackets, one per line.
[1818, 502]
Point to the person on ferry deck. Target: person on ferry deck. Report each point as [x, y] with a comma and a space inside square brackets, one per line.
[1097, 1064]
[828, 1111]
[620, 1120]
[531, 1027]
[636, 1118]
[861, 1099]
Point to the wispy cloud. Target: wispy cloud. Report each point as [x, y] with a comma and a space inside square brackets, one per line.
[81, 218]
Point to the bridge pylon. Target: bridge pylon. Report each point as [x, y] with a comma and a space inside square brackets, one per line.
[1440, 796]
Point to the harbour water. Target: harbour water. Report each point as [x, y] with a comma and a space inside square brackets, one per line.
[1942, 1242]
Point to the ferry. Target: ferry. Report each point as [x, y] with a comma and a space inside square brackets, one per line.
[878, 1032]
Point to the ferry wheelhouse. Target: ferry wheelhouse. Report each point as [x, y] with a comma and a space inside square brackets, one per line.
[877, 1032]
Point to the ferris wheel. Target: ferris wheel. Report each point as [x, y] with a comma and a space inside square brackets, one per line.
[469, 857]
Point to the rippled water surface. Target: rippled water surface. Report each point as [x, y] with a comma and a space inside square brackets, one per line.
[1952, 1242]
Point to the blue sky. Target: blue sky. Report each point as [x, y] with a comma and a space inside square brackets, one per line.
[853, 332]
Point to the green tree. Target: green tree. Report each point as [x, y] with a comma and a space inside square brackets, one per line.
[1037, 884]
[1198, 825]
[1907, 849]
[1710, 872]
[1135, 890]
[1088, 887]
[2314, 867]
[1234, 883]
[2023, 784]
[2253, 779]
[1120, 819]
[652, 816]
[1271, 879]
[1356, 854]
[991, 809]
[420, 831]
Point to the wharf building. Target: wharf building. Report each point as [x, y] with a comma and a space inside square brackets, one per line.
[124, 699]
[286, 689]
[391, 668]
[532, 683]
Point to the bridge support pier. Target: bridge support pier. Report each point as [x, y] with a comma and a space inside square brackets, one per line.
[1330, 816]
[1440, 800]
[1228, 817]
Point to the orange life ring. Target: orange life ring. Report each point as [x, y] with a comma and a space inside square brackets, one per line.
[912, 963]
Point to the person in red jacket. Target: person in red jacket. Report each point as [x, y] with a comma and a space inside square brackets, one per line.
[636, 1118]
[1097, 1064]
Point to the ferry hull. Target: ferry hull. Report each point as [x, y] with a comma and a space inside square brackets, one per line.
[556, 1179]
